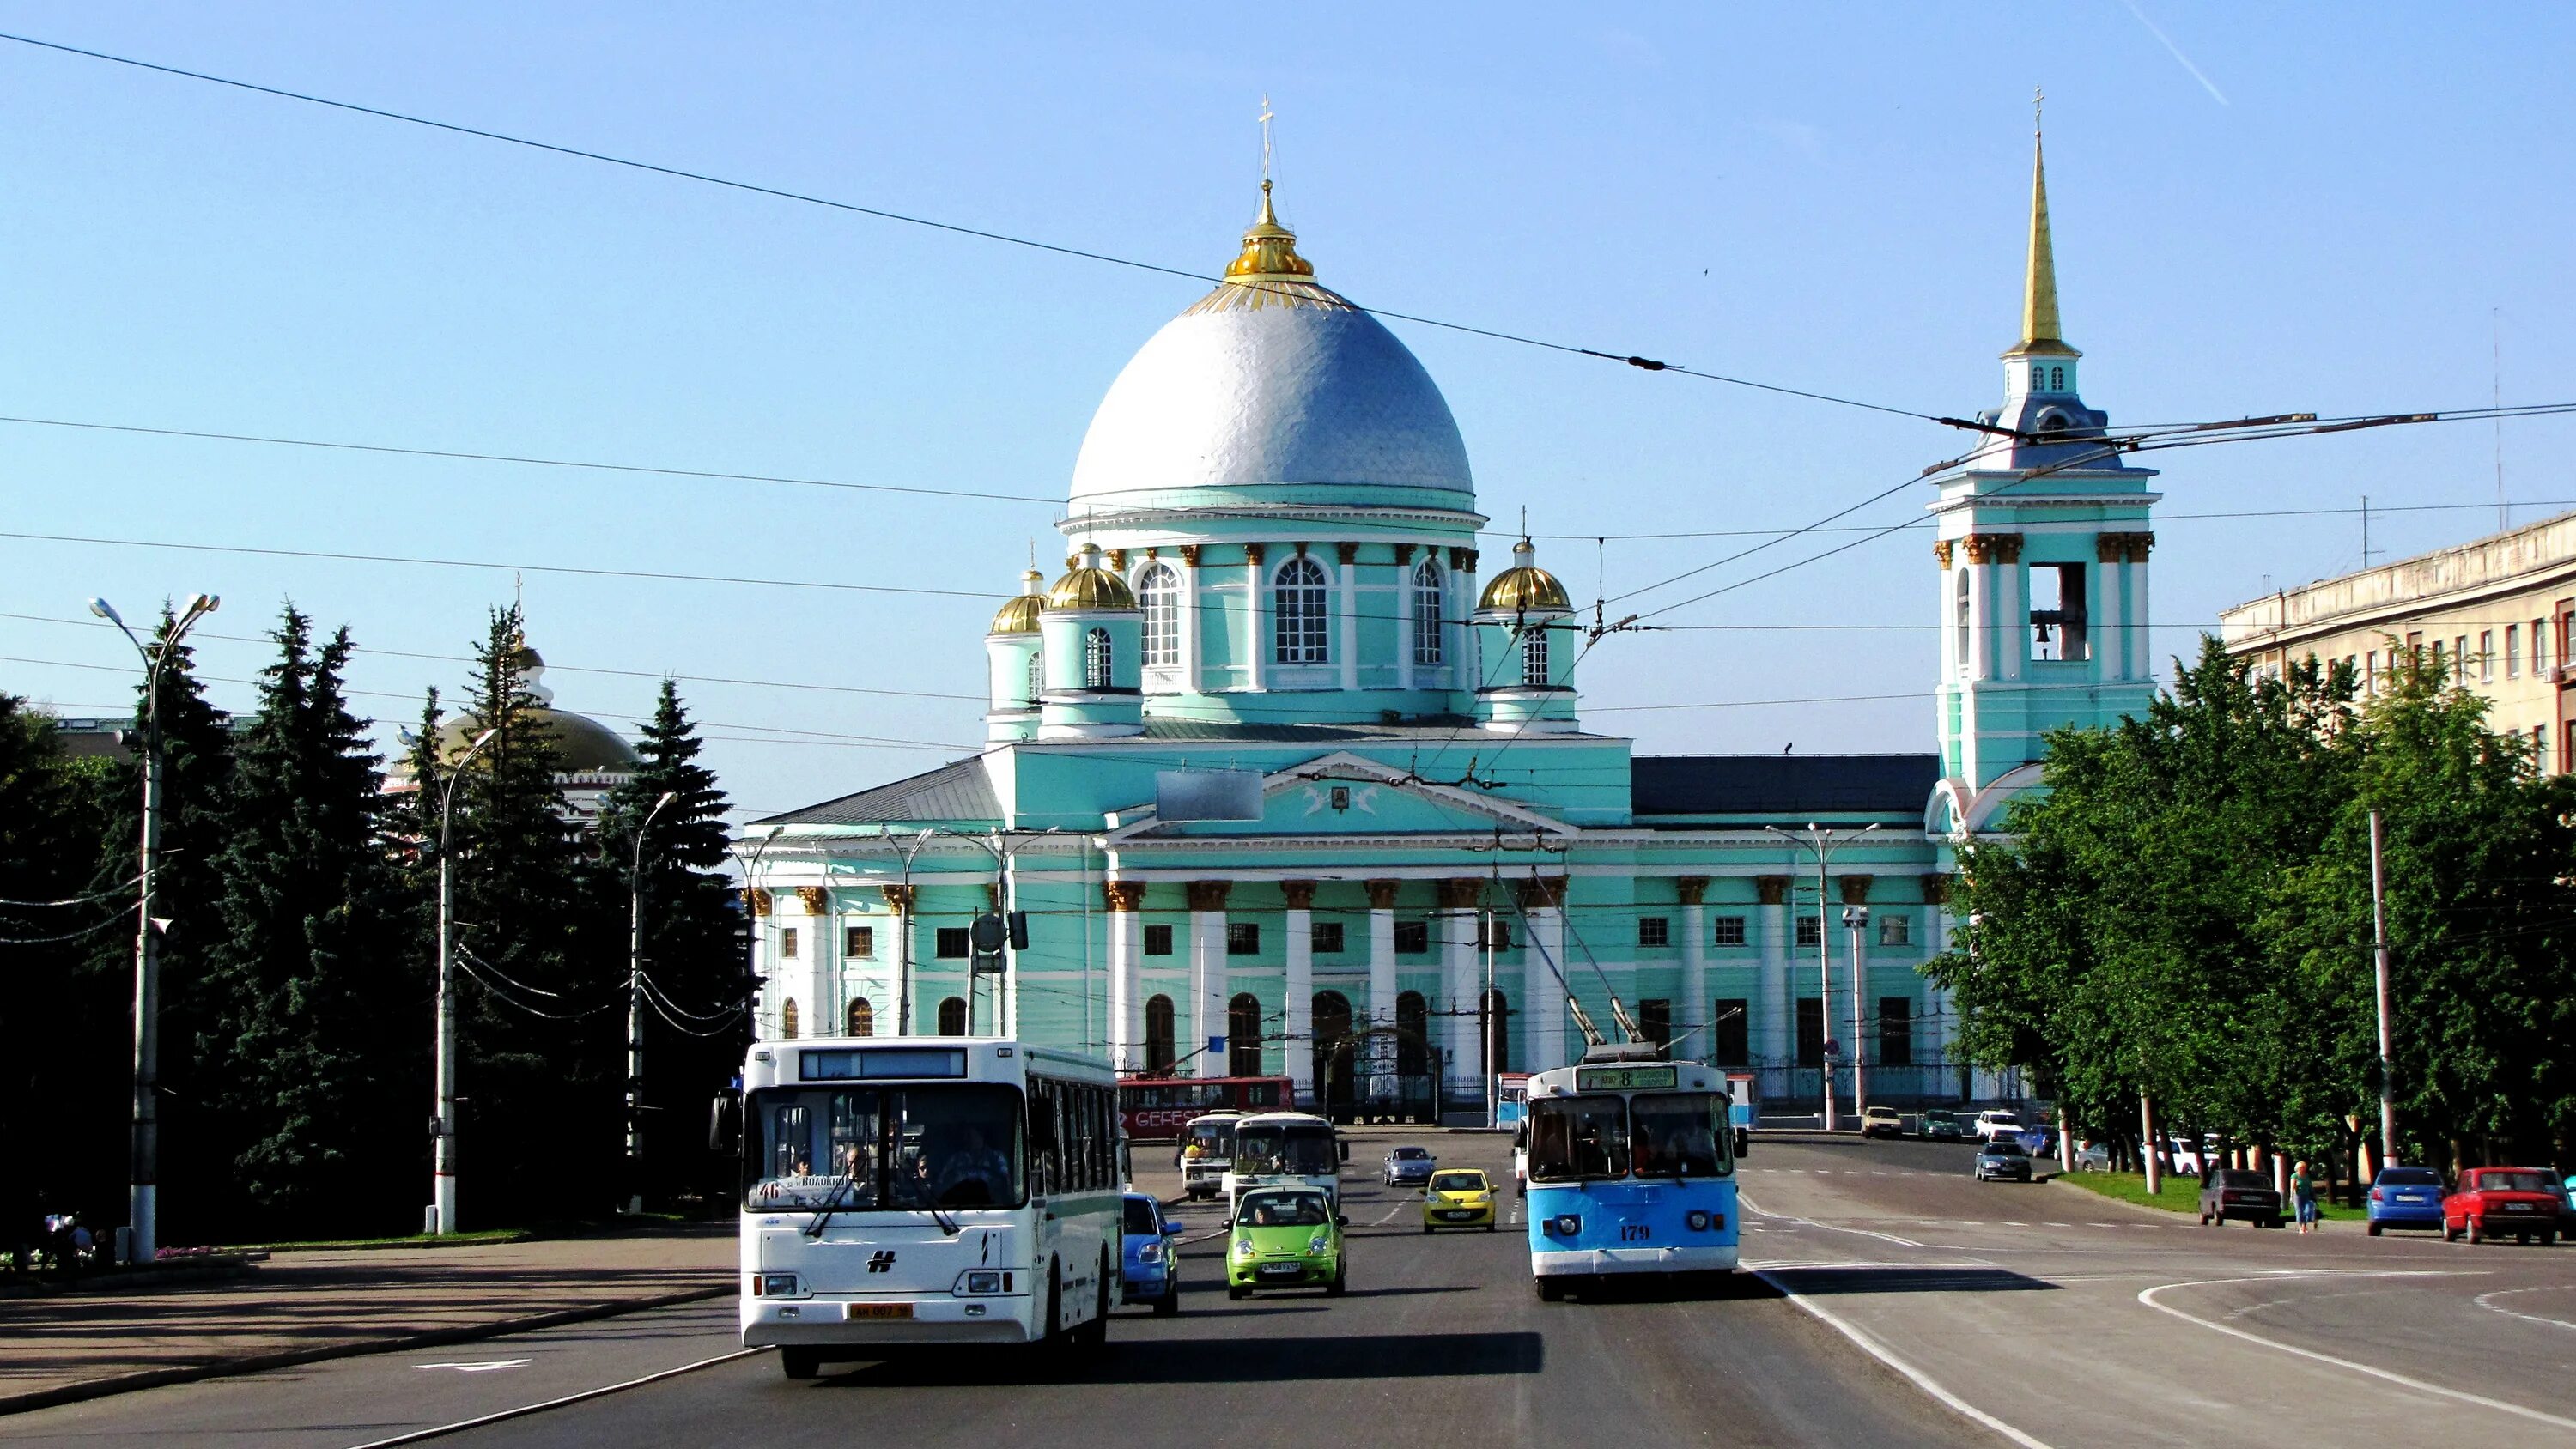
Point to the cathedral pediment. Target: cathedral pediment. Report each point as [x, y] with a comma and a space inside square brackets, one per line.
[1344, 794]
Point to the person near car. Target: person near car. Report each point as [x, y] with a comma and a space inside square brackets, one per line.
[2303, 1193]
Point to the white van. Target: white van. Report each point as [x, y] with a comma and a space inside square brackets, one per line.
[1996, 1122]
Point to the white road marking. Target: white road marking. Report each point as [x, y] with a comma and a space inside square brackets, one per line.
[1751, 1206]
[417, 1435]
[484, 1367]
[2147, 1296]
[2481, 1301]
[1913, 1375]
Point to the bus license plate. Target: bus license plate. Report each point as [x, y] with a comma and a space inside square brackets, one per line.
[876, 1310]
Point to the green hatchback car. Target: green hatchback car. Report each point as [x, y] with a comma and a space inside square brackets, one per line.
[1285, 1238]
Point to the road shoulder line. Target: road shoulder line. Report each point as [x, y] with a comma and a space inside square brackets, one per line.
[417, 1435]
[1909, 1372]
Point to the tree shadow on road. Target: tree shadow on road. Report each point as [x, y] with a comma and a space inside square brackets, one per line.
[1205, 1361]
[1818, 1282]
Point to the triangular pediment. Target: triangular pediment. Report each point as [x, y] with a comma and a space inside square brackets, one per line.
[1342, 794]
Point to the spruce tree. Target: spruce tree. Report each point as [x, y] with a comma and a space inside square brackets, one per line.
[695, 1027]
[302, 1004]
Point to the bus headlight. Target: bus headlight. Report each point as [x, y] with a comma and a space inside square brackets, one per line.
[1565, 1225]
[775, 1285]
[1698, 1222]
[979, 1280]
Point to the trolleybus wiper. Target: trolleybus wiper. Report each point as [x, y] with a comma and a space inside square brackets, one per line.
[831, 1205]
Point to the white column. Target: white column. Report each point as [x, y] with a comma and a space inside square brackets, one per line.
[1546, 1009]
[1690, 1024]
[2142, 656]
[2107, 628]
[1459, 983]
[1126, 997]
[1208, 990]
[1346, 629]
[1192, 618]
[1377, 1067]
[1778, 1042]
[1403, 597]
[1300, 1050]
[1256, 623]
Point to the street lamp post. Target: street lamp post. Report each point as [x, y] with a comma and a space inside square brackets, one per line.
[442, 1211]
[635, 1008]
[1821, 840]
[1855, 919]
[144, 1169]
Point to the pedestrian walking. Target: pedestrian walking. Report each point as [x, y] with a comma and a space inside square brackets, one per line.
[2303, 1196]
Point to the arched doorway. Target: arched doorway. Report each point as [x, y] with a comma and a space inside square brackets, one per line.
[952, 1016]
[1243, 1036]
[863, 1017]
[1335, 1080]
[1158, 1036]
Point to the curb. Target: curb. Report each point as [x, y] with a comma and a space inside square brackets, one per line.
[74, 1393]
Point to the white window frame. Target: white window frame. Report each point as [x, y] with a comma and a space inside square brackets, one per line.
[1429, 650]
[1158, 593]
[1301, 620]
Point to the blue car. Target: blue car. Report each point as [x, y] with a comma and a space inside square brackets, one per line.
[2039, 1141]
[2405, 1197]
[1150, 1264]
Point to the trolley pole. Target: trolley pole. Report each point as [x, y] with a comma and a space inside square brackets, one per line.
[2379, 964]
[1821, 840]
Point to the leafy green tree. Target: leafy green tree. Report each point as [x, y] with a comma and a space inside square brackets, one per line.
[310, 1025]
[696, 1027]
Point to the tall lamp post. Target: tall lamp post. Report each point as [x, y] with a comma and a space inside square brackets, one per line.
[1820, 839]
[1855, 918]
[635, 1009]
[143, 1191]
[442, 1184]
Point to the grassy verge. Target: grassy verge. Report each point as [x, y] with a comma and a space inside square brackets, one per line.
[624, 1222]
[2181, 1194]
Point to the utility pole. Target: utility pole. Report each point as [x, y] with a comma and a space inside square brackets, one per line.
[635, 1010]
[2379, 960]
[143, 1179]
[442, 1185]
[1820, 840]
[1855, 919]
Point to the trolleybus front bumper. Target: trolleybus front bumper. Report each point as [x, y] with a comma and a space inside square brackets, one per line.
[1570, 1262]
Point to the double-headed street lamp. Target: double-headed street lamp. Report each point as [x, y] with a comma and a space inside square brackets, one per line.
[442, 1212]
[1820, 839]
[635, 1007]
[143, 1176]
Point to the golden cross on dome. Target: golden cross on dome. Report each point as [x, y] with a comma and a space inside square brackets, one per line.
[1265, 141]
[2036, 97]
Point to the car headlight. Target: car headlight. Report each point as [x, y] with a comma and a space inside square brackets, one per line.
[1150, 1253]
[1318, 1243]
[1243, 1247]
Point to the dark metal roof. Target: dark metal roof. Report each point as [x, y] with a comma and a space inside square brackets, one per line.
[1781, 784]
[959, 791]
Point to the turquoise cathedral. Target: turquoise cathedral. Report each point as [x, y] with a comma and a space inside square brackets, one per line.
[1290, 776]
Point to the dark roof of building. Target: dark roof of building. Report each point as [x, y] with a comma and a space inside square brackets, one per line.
[1781, 784]
[958, 791]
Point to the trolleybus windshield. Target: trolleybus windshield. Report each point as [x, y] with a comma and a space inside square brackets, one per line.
[858, 1148]
[1677, 1134]
[1289, 1149]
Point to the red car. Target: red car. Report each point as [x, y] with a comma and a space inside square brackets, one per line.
[2492, 1201]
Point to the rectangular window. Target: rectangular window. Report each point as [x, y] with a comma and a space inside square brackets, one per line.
[1811, 1032]
[953, 943]
[2539, 646]
[1243, 938]
[1655, 1020]
[2370, 672]
[2441, 662]
[1496, 932]
[2486, 654]
[1811, 931]
[1730, 931]
[859, 941]
[1412, 938]
[1326, 936]
[2414, 651]
[787, 943]
[2460, 657]
[1654, 931]
[1896, 1031]
[2513, 651]
[1896, 929]
[1158, 940]
[1732, 1027]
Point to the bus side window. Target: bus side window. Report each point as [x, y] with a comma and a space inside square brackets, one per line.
[1104, 1139]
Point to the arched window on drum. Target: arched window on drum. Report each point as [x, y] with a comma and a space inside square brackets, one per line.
[1097, 670]
[1427, 587]
[1158, 591]
[787, 1020]
[1037, 678]
[1301, 624]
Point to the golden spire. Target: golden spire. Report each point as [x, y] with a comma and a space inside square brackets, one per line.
[2039, 322]
[1269, 249]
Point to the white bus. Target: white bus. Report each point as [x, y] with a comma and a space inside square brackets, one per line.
[1285, 1149]
[926, 1190]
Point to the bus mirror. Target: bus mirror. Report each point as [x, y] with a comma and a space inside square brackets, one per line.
[724, 1123]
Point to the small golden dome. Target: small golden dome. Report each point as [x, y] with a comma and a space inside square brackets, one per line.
[1524, 587]
[1089, 586]
[1269, 249]
[1020, 615]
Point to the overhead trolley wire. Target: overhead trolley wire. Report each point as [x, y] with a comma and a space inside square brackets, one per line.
[777, 193]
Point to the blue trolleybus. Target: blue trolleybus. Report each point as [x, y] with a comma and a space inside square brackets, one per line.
[1631, 1170]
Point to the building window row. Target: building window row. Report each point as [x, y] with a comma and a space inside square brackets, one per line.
[1301, 614]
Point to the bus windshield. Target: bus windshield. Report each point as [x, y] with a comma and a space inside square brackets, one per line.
[1285, 1149]
[949, 1146]
[1214, 1139]
[1662, 1134]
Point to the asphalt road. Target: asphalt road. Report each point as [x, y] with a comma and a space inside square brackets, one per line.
[1890, 1301]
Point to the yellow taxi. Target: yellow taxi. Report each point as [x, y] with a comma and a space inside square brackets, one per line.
[1458, 1197]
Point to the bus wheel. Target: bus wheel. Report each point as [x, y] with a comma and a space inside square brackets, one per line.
[1051, 1331]
[1550, 1290]
[799, 1363]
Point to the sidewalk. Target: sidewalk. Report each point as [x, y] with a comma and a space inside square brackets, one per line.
[297, 1307]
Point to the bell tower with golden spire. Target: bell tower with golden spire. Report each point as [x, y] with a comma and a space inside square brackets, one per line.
[2041, 362]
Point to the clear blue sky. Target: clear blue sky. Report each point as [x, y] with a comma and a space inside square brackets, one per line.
[1831, 199]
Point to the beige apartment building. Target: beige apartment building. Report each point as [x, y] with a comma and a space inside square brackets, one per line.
[2495, 613]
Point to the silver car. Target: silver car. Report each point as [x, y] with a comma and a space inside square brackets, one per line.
[1409, 1166]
